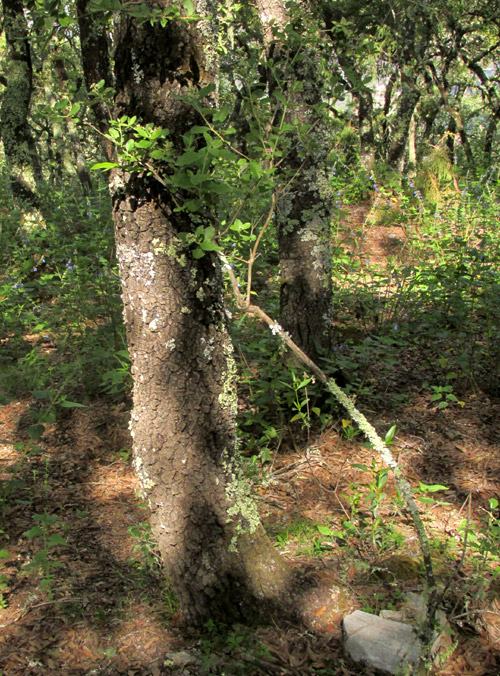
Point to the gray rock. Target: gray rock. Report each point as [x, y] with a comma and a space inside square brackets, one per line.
[379, 643]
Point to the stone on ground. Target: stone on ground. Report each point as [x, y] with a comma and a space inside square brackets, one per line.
[379, 643]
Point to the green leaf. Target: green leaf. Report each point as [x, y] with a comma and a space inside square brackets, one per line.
[192, 205]
[157, 133]
[221, 114]
[188, 6]
[71, 404]
[425, 500]
[205, 91]
[4, 554]
[390, 435]
[104, 165]
[255, 168]
[382, 481]
[34, 532]
[35, 431]
[363, 467]
[56, 539]
[209, 245]
[324, 530]
[42, 394]
[199, 129]
[280, 96]
[190, 157]
[433, 488]
[159, 154]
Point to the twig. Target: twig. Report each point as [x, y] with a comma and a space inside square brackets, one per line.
[25, 611]
[253, 252]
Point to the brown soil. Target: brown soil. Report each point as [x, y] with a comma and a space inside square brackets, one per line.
[105, 613]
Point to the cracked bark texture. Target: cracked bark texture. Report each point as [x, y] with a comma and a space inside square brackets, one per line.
[219, 559]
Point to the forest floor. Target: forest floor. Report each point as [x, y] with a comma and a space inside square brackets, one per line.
[96, 602]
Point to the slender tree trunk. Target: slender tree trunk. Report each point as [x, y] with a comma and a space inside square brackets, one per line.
[304, 210]
[366, 133]
[412, 147]
[409, 98]
[488, 140]
[18, 143]
[219, 559]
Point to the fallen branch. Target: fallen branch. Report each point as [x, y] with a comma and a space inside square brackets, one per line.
[404, 488]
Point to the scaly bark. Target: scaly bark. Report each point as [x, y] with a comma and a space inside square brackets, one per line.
[219, 559]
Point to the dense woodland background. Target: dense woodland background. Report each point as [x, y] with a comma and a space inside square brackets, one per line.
[335, 164]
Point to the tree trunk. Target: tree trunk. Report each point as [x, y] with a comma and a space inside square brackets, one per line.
[18, 143]
[219, 559]
[304, 210]
[410, 96]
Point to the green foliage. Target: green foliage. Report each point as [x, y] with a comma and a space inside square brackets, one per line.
[146, 545]
[61, 326]
[483, 540]
[46, 534]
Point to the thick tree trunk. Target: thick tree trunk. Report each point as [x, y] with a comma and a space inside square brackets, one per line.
[219, 559]
[183, 417]
[18, 143]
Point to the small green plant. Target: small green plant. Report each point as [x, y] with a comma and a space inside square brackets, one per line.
[46, 533]
[484, 540]
[321, 544]
[146, 545]
[422, 494]
[442, 395]
[4, 554]
[118, 380]
[375, 494]
[300, 401]
[125, 454]
[349, 430]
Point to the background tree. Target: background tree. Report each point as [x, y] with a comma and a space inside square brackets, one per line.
[15, 132]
